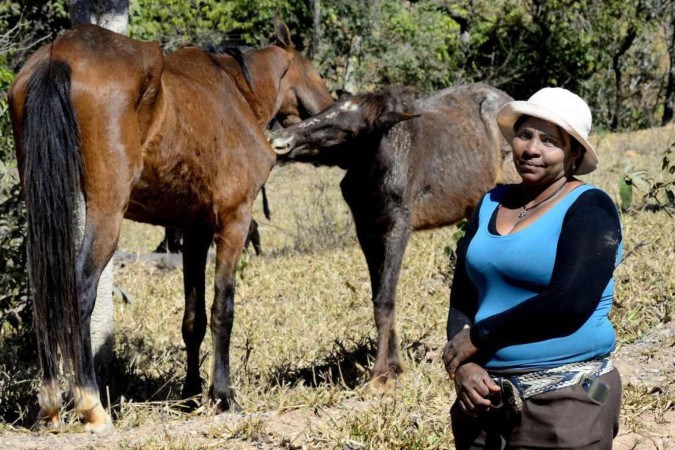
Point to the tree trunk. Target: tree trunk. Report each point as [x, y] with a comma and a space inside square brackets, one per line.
[315, 6]
[113, 15]
[110, 14]
[669, 103]
[616, 66]
[350, 85]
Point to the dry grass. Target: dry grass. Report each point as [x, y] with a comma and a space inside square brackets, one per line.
[304, 332]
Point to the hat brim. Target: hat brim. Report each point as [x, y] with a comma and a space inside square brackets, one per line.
[511, 111]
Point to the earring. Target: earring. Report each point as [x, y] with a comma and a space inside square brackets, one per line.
[574, 167]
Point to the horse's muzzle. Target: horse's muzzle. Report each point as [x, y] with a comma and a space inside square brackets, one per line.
[281, 144]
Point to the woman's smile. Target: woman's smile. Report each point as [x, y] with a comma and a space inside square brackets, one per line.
[524, 163]
[529, 167]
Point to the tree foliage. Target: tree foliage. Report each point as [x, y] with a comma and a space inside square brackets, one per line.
[406, 44]
[14, 305]
[178, 22]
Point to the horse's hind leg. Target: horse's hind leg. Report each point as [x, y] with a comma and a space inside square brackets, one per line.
[98, 244]
[229, 245]
[49, 395]
[253, 238]
[196, 242]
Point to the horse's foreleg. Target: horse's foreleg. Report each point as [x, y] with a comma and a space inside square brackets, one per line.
[229, 245]
[383, 245]
[98, 245]
[195, 250]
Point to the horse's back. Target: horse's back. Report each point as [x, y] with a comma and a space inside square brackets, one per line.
[194, 65]
[458, 152]
[479, 103]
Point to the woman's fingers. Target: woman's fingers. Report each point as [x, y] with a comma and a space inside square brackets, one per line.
[457, 351]
[471, 397]
[468, 410]
[451, 366]
[491, 385]
[477, 398]
[450, 360]
[473, 386]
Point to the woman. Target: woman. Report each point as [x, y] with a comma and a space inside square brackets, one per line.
[529, 338]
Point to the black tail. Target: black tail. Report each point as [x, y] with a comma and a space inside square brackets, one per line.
[266, 205]
[52, 181]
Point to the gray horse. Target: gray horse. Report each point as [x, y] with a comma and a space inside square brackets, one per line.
[411, 165]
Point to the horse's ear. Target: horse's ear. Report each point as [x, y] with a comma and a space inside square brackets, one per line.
[390, 118]
[281, 30]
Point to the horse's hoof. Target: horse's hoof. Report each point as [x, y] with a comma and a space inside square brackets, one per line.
[230, 405]
[49, 399]
[226, 405]
[99, 428]
[192, 393]
[223, 400]
[51, 424]
[235, 407]
[97, 421]
[381, 384]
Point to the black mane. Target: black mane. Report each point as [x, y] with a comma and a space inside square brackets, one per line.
[238, 53]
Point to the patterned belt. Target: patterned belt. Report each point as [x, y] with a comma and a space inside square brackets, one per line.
[548, 380]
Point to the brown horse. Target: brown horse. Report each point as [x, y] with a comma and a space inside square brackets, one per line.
[411, 165]
[172, 140]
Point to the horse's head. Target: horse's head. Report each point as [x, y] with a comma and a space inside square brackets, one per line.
[335, 136]
[302, 91]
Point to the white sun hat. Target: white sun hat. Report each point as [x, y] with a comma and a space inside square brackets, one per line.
[561, 107]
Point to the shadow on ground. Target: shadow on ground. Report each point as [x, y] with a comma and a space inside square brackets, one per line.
[120, 379]
[345, 365]
[124, 381]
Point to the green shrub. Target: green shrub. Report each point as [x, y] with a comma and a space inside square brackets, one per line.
[14, 305]
[656, 194]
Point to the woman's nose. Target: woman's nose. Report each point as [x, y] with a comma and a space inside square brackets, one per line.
[532, 147]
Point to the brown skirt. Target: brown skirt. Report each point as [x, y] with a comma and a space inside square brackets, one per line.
[564, 418]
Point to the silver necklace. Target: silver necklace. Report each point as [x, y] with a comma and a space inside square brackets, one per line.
[526, 209]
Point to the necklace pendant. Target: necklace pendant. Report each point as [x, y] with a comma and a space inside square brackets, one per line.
[522, 214]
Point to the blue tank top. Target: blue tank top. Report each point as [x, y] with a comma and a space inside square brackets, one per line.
[508, 270]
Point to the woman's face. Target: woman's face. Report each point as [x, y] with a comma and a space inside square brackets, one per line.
[542, 152]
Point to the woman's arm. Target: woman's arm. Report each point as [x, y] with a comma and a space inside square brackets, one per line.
[463, 301]
[463, 294]
[584, 263]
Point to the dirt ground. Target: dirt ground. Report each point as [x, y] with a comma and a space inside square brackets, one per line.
[648, 364]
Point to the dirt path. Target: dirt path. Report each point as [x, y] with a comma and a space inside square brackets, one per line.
[648, 364]
[270, 430]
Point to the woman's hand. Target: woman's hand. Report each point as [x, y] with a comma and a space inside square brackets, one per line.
[473, 385]
[457, 351]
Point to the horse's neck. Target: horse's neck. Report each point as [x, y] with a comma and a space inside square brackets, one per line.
[266, 67]
[261, 109]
